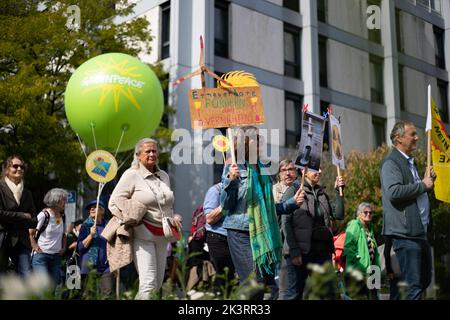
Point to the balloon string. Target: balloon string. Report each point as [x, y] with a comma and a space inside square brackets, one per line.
[93, 134]
[123, 162]
[81, 146]
[120, 142]
[100, 189]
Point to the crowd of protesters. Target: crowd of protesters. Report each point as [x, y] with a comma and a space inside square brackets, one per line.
[249, 227]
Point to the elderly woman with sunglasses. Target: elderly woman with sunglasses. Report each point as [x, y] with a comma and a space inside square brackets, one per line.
[17, 215]
[360, 248]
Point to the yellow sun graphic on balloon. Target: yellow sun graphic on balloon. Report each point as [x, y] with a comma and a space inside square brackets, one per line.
[122, 81]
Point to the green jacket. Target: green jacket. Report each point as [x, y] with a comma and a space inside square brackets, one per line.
[356, 251]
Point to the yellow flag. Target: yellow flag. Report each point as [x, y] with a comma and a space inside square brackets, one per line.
[441, 165]
[440, 144]
[439, 136]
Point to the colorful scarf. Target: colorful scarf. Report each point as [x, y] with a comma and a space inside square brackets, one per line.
[265, 237]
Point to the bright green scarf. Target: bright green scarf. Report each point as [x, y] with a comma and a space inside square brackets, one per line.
[265, 237]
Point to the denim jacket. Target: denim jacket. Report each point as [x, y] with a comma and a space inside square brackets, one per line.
[233, 199]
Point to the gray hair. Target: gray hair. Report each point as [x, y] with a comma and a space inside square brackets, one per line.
[54, 197]
[283, 163]
[399, 130]
[137, 150]
[361, 206]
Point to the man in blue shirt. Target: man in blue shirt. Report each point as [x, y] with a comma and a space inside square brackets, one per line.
[216, 234]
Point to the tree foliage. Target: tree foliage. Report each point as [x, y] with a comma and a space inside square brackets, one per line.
[38, 54]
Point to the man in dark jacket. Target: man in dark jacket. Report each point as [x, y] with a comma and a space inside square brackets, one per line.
[308, 235]
[406, 209]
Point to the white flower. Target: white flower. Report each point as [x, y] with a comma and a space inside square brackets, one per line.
[13, 288]
[316, 268]
[253, 283]
[355, 273]
[128, 295]
[197, 296]
[191, 292]
[38, 282]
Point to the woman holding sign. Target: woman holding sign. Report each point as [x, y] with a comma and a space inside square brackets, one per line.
[92, 249]
[147, 185]
[249, 210]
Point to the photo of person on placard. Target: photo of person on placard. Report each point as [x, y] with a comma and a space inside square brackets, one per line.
[311, 140]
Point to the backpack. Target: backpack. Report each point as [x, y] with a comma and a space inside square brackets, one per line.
[45, 224]
[198, 230]
[339, 257]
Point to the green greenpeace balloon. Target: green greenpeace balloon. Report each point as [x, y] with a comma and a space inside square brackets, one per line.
[111, 93]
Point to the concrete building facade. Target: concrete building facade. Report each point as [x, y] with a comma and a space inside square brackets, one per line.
[370, 59]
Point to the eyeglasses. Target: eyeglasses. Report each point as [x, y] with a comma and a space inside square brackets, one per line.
[367, 212]
[17, 166]
[289, 169]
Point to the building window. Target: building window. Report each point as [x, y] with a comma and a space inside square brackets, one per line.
[374, 34]
[379, 131]
[291, 51]
[429, 5]
[292, 4]
[221, 28]
[376, 80]
[323, 61]
[321, 11]
[436, 6]
[326, 135]
[293, 107]
[439, 47]
[443, 105]
[401, 87]
[398, 30]
[165, 30]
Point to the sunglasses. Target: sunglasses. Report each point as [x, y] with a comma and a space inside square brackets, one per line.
[17, 166]
[367, 212]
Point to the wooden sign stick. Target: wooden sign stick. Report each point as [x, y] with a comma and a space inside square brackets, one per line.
[231, 141]
[303, 178]
[341, 192]
[428, 173]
